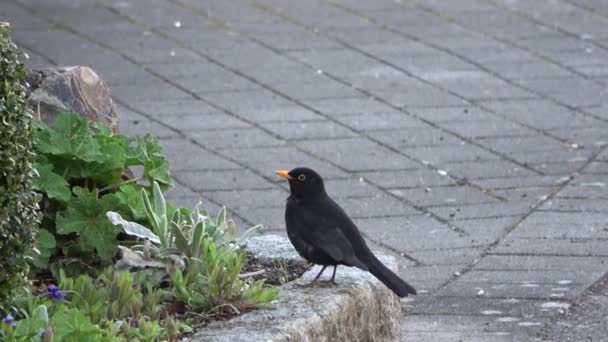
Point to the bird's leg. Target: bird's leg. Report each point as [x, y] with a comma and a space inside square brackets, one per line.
[315, 281]
[333, 277]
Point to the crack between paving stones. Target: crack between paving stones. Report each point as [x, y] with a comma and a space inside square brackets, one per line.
[470, 61]
[551, 26]
[205, 148]
[381, 100]
[151, 118]
[212, 60]
[591, 10]
[455, 21]
[561, 186]
[359, 132]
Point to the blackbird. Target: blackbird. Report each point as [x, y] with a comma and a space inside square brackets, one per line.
[323, 234]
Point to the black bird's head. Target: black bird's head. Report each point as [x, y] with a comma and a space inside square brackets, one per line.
[303, 182]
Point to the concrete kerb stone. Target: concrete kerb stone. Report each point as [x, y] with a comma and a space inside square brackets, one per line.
[360, 308]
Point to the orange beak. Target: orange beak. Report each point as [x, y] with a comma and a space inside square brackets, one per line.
[283, 173]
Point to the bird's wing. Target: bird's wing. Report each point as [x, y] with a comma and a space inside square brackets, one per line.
[328, 228]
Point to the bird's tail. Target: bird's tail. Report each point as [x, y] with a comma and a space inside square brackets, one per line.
[389, 278]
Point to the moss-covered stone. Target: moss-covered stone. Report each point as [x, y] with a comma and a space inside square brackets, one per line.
[360, 308]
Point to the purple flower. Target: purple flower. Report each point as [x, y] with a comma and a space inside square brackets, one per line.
[41, 334]
[54, 293]
[14, 325]
[8, 319]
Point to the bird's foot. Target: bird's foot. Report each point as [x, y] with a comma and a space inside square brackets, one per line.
[330, 282]
[311, 284]
[318, 283]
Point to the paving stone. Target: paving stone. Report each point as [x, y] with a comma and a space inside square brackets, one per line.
[484, 88]
[518, 182]
[437, 256]
[413, 233]
[488, 128]
[173, 107]
[390, 120]
[478, 306]
[352, 187]
[452, 114]
[563, 225]
[585, 189]
[539, 262]
[270, 218]
[580, 205]
[241, 138]
[255, 99]
[413, 178]
[526, 82]
[378, 206]
[462, 328]
[548, 246]
[521, 70]
[309, 130]
[204, 181]
[138, 125]
[451, 153]
[358, 154]
[278, 113]
[348, 106]
[446, 195]
[184, 155]
[427, 278]
[241, 199]
[560, 115]
[519, 291]
[460, 212]
[211, 82]
[316, 90]
[557, 278]
[587, 136]
[418, 136]
[268, 159]
[487, 230]
[418, 97]
[531, 195]
[486, 169]
[213, 122]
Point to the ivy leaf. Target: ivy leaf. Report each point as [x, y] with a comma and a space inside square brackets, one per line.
[45, 245]
[69, 137]
[54, 185]
[85, 215]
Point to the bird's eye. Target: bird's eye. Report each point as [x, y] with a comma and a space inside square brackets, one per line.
[302, 177]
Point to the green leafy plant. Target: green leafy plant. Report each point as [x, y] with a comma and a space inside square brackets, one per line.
[207, 279]
[82, 169]
[18, 201]
[115, 306]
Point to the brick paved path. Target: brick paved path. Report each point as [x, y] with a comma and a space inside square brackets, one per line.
[467, 137]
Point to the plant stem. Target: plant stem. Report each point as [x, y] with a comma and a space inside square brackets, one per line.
[113, 186]
[65, 172]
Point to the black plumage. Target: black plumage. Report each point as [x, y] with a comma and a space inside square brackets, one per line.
[323, 234]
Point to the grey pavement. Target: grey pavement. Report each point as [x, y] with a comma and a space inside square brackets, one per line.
[467, 137]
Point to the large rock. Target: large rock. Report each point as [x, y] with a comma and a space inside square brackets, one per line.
[360, 308]
[72, 89]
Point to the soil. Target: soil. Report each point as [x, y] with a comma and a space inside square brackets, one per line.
[276, 271]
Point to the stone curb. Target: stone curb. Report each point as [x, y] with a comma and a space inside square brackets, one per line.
[360, 308]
